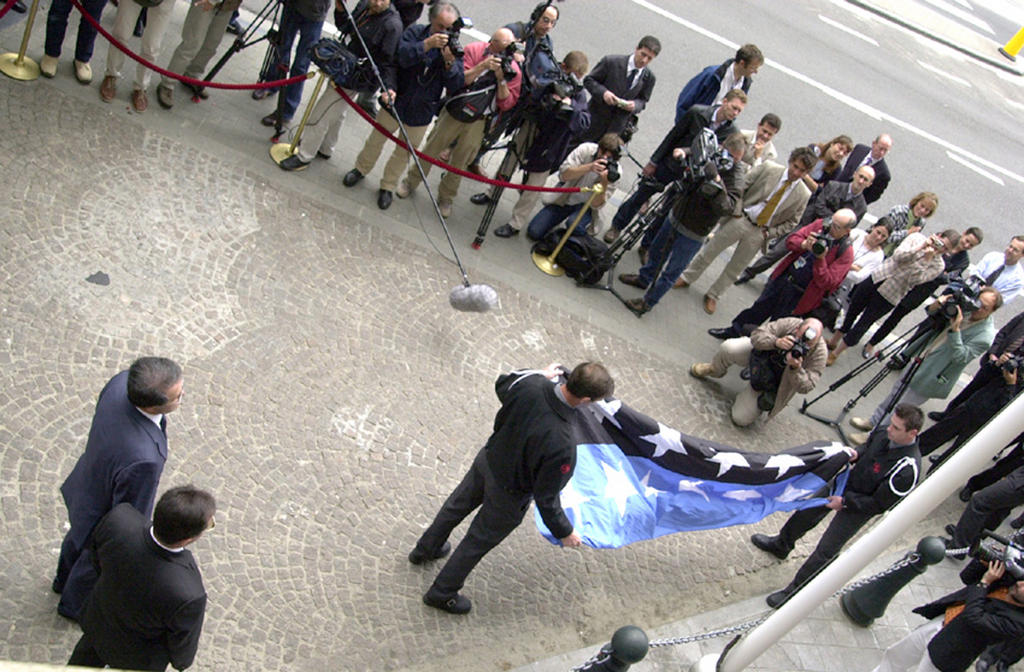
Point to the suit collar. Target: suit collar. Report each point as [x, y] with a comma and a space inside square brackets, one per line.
[157, 434]
[563, 409]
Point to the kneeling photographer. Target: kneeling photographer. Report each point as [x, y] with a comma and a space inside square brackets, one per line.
[781, 359]
[558, 114]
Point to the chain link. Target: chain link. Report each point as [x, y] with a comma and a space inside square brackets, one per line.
[957, 553]
[604, 654]
[910, 559]
[711, 634]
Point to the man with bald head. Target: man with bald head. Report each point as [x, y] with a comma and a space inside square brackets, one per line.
[873, 156]
[463, 125]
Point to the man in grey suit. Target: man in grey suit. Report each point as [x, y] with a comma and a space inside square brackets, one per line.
[620, 86]
[773, 201]
[148, 605]
[122, 462]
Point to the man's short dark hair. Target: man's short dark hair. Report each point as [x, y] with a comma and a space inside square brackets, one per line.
[182, 513]
[952, 237]
[539, 10]
[576, 62]
[149, 378]
[592, 380]
[976, 232]
[912, 416]
[773, 120]
[650, 42]
[749, 53]
[803, 156]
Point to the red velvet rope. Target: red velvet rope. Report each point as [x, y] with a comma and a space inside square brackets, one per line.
[441, 164]
[6, 8]
[173, 75]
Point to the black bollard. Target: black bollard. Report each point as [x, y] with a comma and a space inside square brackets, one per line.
[629, 645]
[866, 603]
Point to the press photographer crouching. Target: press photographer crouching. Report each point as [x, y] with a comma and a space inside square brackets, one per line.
[559, 114]
[781, 358]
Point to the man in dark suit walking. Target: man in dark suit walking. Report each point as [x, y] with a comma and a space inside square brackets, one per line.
[148, 604]
[122, 462]
[620, 86]
[874, 156]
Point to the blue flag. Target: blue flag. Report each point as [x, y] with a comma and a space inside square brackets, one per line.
[637, 479]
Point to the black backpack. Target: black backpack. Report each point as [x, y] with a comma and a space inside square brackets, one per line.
[584, 258]
[474, 101]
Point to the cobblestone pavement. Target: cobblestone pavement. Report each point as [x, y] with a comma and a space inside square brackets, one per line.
[333, 398]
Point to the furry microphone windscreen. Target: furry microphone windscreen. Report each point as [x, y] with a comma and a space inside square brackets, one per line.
[473, 298]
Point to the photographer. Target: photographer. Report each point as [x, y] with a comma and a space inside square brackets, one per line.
[586, 166]
[963, 624]
[560, 114]
[702, 201]
[960, 342]
[918, 259]
[784, 358]
[819, 257]
[428, 65]
[884, 472]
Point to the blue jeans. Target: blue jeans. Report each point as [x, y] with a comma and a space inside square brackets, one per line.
[308, 30]
[57, 25]
[680, 250]
[551, 216]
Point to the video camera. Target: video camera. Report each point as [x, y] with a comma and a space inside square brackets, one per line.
[965, 295]
[565, 85]
[454, 45]
[1010, 552]
[705, 150]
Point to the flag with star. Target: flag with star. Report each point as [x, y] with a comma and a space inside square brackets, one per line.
[637, 479]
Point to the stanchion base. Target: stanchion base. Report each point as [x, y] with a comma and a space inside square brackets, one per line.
[1010, 56]
[281, 151]
[24, 69]
[545, 264]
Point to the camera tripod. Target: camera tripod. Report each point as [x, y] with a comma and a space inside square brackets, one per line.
[906, 353]
[519, 140]
[270, 11]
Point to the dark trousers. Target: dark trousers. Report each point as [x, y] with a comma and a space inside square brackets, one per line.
[75, 577]
[85, 655]
[914, 298]
[844, 525]
[500, 512]
[960, 423]
[989, 507]
[57, 25]
[778, 299]
[308, 31]
[986, 374]
[627, 211]
[867, 306]
[983, 479]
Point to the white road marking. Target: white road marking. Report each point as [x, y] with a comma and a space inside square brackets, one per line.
[870, 111]
[847, 30]
[960, 14]
[979, 171]
[1014, 103]
[943, 73]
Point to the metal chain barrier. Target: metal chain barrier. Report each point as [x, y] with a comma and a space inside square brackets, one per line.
[599, 657]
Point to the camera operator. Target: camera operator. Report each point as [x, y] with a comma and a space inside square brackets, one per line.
[560, 114]
[586, 166]
[381, 28]
[664, 166]
[703, 200]
[428, 65]
[820, 254]
[959, 342]
[493, 82]
[964, 623]
[884, 472]
[918, 259]
[784, 358]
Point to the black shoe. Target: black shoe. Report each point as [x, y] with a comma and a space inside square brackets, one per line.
[779, 597]
[260, 94]
[293, 162]
[769, 545]
[271, 120]
[459, 604]
[321, 155]
[57, 586]
[418, 556]
[744, 278]
[20, 7]
[1017, 522]
[234, 27]
[965, 494]
[483, 198]
[937, 416]
[505, 230]
[384, 198]
[352, 178]
[723, 333]
[633, 280]
[950, 530]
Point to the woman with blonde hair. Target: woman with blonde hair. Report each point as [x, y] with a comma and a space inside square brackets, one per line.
[910, 218]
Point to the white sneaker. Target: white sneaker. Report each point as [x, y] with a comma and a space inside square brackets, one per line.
[83, 72]
[445, 206]
[403, 189]
[48, 66]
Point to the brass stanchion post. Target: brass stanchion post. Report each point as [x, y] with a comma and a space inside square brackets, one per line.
[16, 66]
[282, 150]
[547, 264]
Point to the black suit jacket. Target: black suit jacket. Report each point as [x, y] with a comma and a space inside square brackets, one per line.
[147, 607]
[696, 119]
[610, 75]
[833, 196]
[882, 176]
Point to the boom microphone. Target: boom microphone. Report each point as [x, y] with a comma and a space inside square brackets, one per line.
[473, 298]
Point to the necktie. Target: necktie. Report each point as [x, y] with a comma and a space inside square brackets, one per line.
[869, 160]
[991, 278]
[773, 202]
[631, 76]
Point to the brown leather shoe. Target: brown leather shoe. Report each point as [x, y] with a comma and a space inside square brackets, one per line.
[139, 100]
[710, 305]
[108, 88]
[680, 283]
[632, 279]
[638, 306]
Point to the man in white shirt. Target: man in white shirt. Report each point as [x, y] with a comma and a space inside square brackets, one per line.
[1003, 271]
